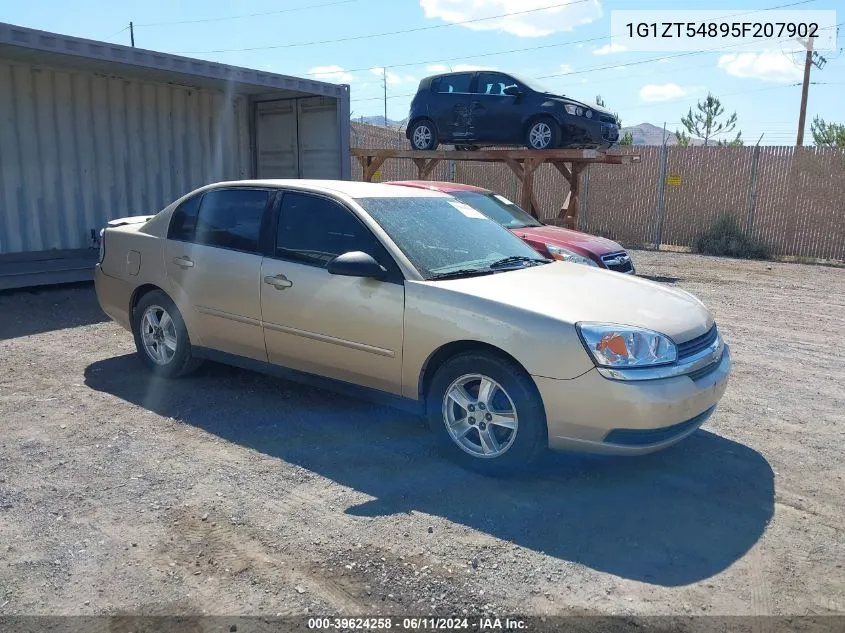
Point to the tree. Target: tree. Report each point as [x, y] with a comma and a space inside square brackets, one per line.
[627, 137]
[827, 134]
[705, 123]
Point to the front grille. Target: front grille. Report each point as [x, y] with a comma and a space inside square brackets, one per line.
[647, 437]
[610, 132]
[619, 262]
[697, 344]
[607, 118]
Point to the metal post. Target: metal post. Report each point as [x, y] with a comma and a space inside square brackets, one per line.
[658, 212]
[802, 114]
[132, 34]
[752, 193]
[582, 217]
[450, 170]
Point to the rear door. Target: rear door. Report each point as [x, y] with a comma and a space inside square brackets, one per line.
[495, 115]
[347, 328]
[213, 263]
[451, 100]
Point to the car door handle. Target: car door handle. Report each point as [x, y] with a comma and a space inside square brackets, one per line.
[184, 262]
[279, 282]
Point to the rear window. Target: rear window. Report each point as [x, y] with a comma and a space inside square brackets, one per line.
[231, 218]
[453, 83]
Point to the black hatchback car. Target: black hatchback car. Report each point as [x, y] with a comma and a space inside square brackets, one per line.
[470, 109]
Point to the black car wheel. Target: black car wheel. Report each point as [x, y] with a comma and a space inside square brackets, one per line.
[543, 133]
[424, 136]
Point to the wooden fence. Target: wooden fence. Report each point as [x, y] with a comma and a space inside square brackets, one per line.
[791, 199]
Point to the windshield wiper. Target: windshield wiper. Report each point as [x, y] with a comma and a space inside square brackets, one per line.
[513, 259]
[463, 272]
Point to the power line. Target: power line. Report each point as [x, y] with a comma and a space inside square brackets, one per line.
[374, 35]
[249, 15]
[541, 47]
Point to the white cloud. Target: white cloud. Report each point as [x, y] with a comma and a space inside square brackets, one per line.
[565, 17]
[566, 69]
[457, 68]
[653, 93]
[608, 49]
[392, 77]
[330, 73]
[772, 66]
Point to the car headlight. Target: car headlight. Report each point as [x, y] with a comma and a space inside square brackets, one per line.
[589, 114]
[613, 345]
[573, 109]
[565, 255]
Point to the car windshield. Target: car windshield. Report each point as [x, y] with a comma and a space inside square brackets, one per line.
[442, 236]
[498, 208]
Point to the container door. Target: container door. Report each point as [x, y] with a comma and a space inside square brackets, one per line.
[319, 138]
[276, 139]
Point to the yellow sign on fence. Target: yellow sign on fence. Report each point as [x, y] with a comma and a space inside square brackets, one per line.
[377, 175]
[673, 180]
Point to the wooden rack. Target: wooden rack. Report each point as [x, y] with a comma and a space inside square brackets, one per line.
[522, 162]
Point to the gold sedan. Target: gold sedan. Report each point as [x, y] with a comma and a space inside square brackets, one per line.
[411, 297]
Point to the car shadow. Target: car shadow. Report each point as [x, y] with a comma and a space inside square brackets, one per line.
[660, 278]
[28, 311]
[671, 518]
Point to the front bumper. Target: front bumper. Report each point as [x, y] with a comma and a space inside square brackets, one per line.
[596, 415]
[595, 131]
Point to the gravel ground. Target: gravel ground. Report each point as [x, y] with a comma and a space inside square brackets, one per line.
[229, 492]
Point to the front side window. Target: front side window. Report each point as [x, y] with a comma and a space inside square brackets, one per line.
[494, 84]
[443, 235]
[232, 218]
[315, 230]
[498, 208]
[183, 222]
[454, 83]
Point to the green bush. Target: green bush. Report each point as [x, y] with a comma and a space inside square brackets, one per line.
[728, 239]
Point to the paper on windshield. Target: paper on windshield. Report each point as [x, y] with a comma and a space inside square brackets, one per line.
[503, 200]
[467, 210]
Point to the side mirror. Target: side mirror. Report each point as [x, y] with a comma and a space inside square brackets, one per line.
[356, 264]
[512, 91]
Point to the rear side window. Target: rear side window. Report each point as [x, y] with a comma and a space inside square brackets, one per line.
[314, 230]
[493, 84]
[232, 218]
[454, 83]
[183, 222]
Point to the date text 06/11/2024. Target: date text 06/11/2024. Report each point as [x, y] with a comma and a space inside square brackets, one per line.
[417, 623]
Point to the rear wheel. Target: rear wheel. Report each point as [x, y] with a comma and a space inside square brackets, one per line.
[486, 413]
[161, 337]
[543, 133]
[424, 136]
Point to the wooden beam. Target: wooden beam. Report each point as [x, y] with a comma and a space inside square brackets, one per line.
[516, 167]
[372, 166]
[563, 169]
[494, 155]
[572, 206]
[527, 200]
[426, 171]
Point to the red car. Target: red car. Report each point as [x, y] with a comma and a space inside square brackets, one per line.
[551, 241]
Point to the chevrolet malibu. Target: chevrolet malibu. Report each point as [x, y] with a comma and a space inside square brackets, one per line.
[412, 297]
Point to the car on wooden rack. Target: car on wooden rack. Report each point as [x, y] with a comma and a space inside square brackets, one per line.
[478, 108]
[414, 298]
[551, 241]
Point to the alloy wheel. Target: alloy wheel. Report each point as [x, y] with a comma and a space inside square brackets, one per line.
[480, 416]
[422, 137]
[540, 136]
[158, 335]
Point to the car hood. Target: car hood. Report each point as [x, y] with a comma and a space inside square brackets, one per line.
[572, 293]
[562, 237]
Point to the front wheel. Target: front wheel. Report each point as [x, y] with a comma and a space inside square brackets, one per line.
[487, 413]
[424, 136]
[161, 337]
[543, 133]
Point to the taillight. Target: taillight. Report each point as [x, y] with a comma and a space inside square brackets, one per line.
[102, 245]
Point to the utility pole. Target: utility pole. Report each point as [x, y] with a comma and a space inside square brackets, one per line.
[384, 83]
[805, 89]
[132, 34]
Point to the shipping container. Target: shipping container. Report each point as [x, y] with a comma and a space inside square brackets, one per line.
[91, 131]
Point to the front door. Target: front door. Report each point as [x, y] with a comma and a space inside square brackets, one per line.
[495, 115]
[346, 328]
[214, 269]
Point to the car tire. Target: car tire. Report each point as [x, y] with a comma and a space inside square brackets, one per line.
[161, 337]
[542, 133]
[424, 136]
[468, 432]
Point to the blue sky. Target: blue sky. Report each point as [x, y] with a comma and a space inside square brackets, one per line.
[576, 50]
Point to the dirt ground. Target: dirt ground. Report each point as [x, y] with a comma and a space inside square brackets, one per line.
[229, 492]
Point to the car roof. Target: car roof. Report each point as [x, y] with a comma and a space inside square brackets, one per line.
[350, 188]
[435, 185]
